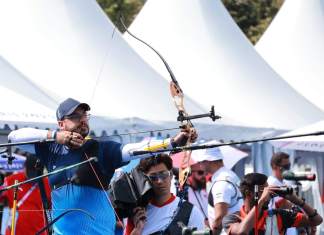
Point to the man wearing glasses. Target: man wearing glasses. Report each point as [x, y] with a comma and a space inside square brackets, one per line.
[270, 221]
[162, 214]
[84, 187]
[279, 163]
[197, 193]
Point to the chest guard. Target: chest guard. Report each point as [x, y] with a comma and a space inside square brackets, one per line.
[84, 175]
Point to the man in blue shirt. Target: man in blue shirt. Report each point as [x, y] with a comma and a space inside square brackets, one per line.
[83, 187]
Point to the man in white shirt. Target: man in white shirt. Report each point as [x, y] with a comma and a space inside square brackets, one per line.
[224, 196]
[279, 163]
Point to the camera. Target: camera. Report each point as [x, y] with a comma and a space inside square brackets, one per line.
[193, 231]
[284, 190]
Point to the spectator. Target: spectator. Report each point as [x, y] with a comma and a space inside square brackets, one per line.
[275, 221]
[224, 197]
[197, 194]
[164, 210]
[30, 212]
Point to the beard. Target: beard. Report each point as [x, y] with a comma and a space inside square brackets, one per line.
[83, 130]
[199, 184]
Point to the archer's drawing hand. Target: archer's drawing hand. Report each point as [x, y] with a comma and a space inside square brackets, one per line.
[71, 139]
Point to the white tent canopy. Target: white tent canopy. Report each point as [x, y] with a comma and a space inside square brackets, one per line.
[216, 64]
[72, 49]
[20, 111]
[293, 46]
[309, 143]
[14, 80]
[22, 102]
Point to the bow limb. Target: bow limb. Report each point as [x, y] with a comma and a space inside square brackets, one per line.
[178, 97]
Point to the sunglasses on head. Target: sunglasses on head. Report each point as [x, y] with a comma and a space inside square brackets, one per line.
[161, 175]
[199, 172]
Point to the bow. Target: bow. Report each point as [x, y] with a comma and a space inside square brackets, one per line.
[183, 117]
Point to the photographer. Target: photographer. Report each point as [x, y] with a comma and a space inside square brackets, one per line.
[274, 220]
[165, 210]
[279, 163]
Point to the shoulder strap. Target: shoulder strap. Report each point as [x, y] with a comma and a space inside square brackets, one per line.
[84, 174]
[183, 215]
[200, 206]
[210, 195]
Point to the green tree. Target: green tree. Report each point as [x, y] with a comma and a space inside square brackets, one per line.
[127, 8]
[252, 16]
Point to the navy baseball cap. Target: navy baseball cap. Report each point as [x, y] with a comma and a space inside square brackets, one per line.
[68, 106]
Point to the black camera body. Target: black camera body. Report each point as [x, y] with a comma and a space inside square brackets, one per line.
[193, 231]
[130, 190]
[284, 190]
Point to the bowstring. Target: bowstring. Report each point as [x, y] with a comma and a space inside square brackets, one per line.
[105, 192]
[102, 66]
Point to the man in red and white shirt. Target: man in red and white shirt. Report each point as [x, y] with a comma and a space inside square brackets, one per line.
[163, 211]
[30, 212]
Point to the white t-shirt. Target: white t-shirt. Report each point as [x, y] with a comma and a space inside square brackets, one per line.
[274, 181]
[158, 218]
[199, 198]
[223, 191]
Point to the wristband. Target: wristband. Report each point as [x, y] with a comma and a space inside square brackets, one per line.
[54, 133]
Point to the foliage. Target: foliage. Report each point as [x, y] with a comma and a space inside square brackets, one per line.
[252, 16]
[128, 9]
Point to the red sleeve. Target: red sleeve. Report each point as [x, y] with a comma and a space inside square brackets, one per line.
[298, 218]
[47, 189]
[129, 227]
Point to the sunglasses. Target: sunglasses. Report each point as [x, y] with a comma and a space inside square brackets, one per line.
[200, 172]
[161, 175]
[77, 117]
[285, 167]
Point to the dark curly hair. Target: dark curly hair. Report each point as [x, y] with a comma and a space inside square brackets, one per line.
[250, 180]
[146, 164]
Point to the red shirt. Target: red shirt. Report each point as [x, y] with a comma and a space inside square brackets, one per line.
[30, 213]
[285, 219]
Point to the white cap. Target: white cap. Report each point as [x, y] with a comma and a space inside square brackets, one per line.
[211, 154]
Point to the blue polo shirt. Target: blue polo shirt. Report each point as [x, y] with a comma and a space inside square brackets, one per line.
[70, 196]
